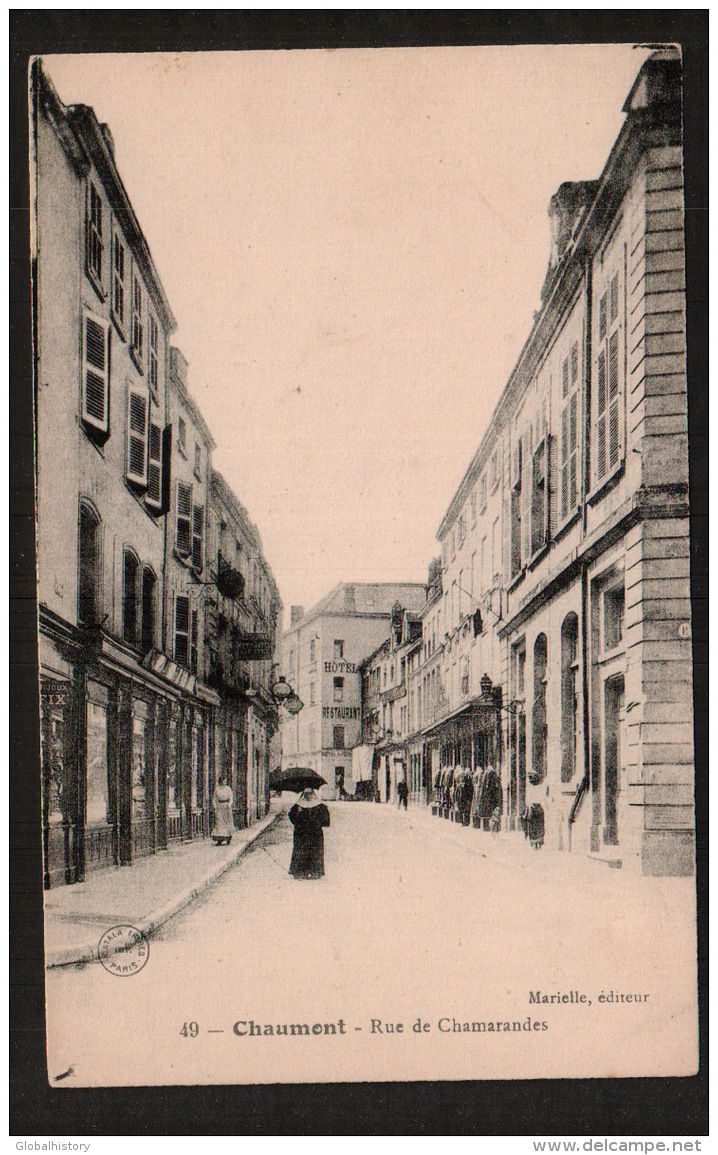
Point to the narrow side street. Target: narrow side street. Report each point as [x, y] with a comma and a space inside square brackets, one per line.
[415, 919]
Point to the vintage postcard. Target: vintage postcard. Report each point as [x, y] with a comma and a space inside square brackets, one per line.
[363, 526]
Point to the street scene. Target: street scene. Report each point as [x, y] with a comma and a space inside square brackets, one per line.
[363, 537]
[382, 937]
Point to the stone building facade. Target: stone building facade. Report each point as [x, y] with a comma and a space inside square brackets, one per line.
[128, 742]
[322, 652]
[586, 604]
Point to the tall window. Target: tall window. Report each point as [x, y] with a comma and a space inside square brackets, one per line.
[482, 494]
[137, 328]
[516, 482]
[570, 385]
[94, 236]
[312, 693]
[154, 466]
[182, 434]
[494, 470]
[118, 281]
[338, 737]
[96, 374]
[197, 537]
[89, 581]
[338, 650]
[609, 371]
[312, 650]
[538, 715]
[194, 641]
[338, 689]
[130, 590]
[149, 585]
[183, 534]
[472, 504]
[138, 408]
[569, 701]
[182, 629]
[198, 460]
[153, 361]
[539, 497]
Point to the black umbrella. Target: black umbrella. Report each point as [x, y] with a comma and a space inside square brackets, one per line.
[296, 779]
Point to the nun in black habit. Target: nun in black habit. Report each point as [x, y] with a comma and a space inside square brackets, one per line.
[308, 816]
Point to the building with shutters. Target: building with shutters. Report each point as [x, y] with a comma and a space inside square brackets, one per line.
[243, 631]
[578, 493]
[322, 655]
[386, 705]
[132, 734]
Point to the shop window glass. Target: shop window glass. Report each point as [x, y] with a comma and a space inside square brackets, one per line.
[172, 797]
[196, 736]
[96, 811]
[53, 756]
[139, 770]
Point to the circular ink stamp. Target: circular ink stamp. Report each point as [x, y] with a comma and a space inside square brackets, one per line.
[123, 950]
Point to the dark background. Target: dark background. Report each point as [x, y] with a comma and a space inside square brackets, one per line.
[588, 1107]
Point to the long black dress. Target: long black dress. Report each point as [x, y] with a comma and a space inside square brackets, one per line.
[308, 854]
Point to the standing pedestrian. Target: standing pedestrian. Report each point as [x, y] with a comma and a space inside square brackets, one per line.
[222, 805]
[402, 791]
[308, 816]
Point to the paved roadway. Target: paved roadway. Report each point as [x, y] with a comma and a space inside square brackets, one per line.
[415, 919]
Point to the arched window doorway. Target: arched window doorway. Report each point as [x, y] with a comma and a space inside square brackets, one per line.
[539, 731]
[569, 700]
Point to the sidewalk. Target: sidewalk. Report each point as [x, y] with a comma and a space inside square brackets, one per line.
[144, 895]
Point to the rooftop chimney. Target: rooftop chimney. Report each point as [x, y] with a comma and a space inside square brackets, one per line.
[296, 614]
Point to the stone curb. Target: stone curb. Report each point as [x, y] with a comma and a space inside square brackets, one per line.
[150, 923]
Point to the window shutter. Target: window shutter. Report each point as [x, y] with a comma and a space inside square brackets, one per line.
[601, 439]
[526, 494]
[166, 468]
[506, 543]
[137, 436]
[96, 374]
[154, 467]
[551, 486]
[609, 400]
[197, 537]
[613, 401]
[193, 642]
[183, 539]
[181, 628]
[565, 463]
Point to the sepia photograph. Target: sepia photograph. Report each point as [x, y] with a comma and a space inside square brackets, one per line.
[366, 675]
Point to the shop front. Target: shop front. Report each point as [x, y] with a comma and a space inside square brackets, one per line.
[125, 756]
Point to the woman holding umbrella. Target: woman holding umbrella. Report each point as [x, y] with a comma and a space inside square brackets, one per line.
[308, 816]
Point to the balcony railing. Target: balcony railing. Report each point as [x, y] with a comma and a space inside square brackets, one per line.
[229, 581]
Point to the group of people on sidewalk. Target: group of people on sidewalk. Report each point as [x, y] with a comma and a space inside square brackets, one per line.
[475, 799]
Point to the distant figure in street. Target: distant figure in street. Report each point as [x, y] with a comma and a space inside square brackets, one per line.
[308, 816]
[222, 805]
[402, 793]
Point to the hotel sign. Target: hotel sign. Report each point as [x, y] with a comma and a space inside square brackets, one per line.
[253, 648]
[340, 668]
